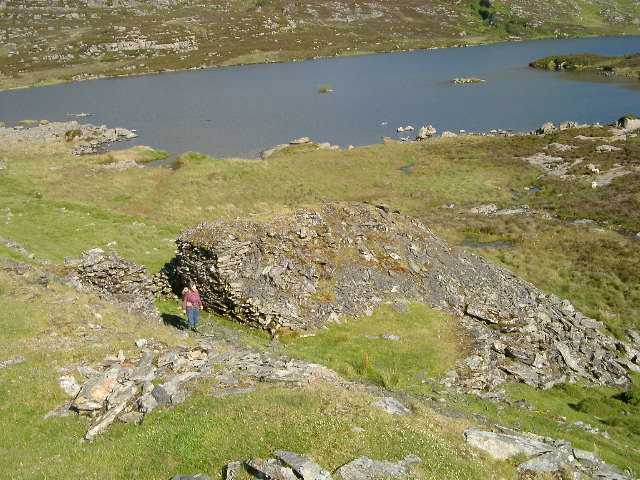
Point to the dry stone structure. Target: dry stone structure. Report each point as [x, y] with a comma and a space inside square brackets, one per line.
[303, 270]
[114, 277]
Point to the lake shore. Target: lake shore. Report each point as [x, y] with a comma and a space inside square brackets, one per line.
[131, 43]
[58, 77]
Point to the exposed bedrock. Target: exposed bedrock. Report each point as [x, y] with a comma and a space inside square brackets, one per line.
[302, 270]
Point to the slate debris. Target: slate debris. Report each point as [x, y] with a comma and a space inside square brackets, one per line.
[293, 466]
[117, 279]
[127, 389]
[304, 270]
[543, 454]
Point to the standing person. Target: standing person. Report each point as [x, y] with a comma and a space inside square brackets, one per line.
[191, 305]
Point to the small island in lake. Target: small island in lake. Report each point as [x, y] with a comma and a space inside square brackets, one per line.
[625, 65]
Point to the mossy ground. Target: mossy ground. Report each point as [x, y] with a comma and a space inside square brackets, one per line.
[56, 205]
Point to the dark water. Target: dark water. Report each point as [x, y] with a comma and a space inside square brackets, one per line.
[239, 111]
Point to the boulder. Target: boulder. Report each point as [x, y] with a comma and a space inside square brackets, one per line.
[101, 423]
[69, 385]
[391, 406]
[94, 392]
[269, 469]
[303, 467]
[547, 462]
[629, 122]
[232, 471]
[426, 131]
[364, 468]
[300, 141]
[502, 446]
[548, 127]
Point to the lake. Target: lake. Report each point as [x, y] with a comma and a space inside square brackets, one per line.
[239, 111]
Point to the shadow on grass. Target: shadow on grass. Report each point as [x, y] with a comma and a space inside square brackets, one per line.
[174, 320]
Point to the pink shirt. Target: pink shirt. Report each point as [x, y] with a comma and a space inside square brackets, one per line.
[191, 299]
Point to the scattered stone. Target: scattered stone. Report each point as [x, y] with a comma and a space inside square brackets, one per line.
[12, 361]
[466, 81]
[303, 467]
[94, 392]
[544, 454]
[488, 209]
[560, 147]
[269, 469]
[607, 149]
[300, 141]
[426, 131]
[69, 385]
[88, 138]
[101, 423]
[131, 417]
[364, 468]
[233, 470]
[546, 128]
[197, 476]
[502, 446]
[141, 342]
[391, 406]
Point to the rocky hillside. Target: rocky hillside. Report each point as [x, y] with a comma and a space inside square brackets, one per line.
[305, 270]
[45, 41]
[375, 378]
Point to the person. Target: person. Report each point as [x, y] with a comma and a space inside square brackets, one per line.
[191, 305]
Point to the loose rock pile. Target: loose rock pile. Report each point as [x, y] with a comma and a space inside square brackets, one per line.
[119, 279]
[87, 138]
[304, 270]
[292, 466]
[127, 389]
[543, 454]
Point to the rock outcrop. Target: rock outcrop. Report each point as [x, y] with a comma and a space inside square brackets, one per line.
[543, 454]
[303, 270]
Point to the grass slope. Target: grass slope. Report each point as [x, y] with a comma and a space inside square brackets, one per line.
[56, 205]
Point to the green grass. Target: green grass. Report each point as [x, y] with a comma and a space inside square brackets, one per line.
[554, 412]
[56, 205]
[61, 205]
[430, 343]
[49, 326]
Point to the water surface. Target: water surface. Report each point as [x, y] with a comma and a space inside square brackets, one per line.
[239, 111]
